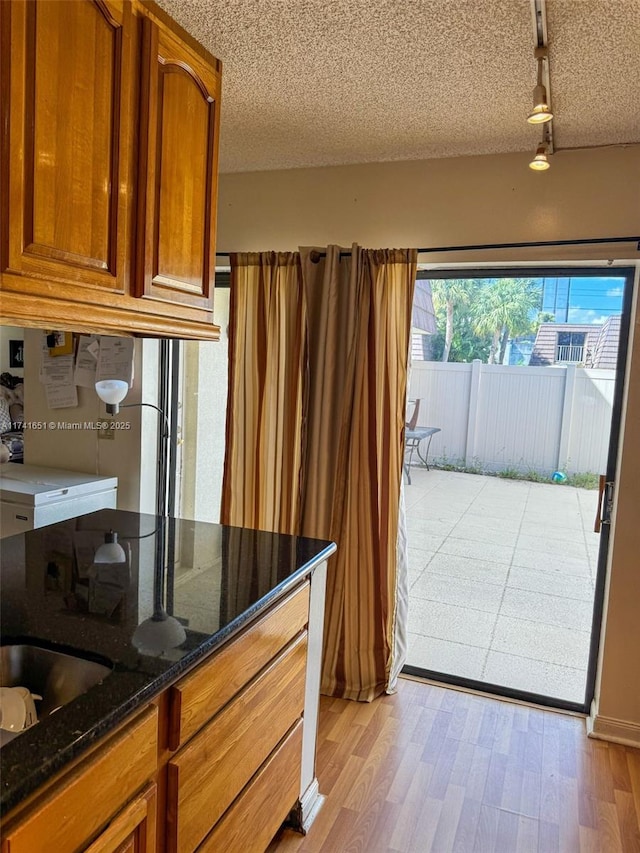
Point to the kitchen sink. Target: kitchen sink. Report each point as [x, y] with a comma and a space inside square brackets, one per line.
[56, 676]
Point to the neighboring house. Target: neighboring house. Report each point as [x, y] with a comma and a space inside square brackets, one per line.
[573, 343]
[606, 354]
[423, 320]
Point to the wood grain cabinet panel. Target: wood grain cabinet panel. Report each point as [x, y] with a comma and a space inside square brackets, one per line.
[178, 171]
[133, 830]
[71, 90]
[208, 774]
[254, 818]
[203, 692]
[109, 147]
[71, 814]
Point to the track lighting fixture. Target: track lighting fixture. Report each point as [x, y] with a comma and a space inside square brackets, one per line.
[544, 149]
[541, 111]
[540, 160]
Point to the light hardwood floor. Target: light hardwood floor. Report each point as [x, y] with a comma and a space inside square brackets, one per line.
[433, 769]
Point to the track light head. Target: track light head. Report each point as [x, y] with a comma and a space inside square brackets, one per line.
[540, 160]
[541, 112]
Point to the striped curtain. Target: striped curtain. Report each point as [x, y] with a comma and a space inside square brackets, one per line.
[341, 355]
[261, 483]
[359, 318]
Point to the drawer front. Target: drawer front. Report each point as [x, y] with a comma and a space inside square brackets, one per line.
[254, 818]
[91, 794]
[134, 829]
[207, 775]
[198, 696]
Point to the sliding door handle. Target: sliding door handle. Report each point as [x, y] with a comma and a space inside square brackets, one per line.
[605, 503]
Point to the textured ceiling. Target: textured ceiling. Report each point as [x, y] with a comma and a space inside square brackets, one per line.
[321, 82]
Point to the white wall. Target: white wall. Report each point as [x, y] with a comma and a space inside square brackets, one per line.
[127, 456]
[204, 408]
[445, 202]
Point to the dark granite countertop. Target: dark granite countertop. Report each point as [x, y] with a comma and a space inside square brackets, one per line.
[54, 594]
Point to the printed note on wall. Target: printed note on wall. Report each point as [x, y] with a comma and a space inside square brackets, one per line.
[115, 359]
[87, 361]
[56, 374]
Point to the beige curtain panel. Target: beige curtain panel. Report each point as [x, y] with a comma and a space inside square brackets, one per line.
[261, 483]
[346, 369]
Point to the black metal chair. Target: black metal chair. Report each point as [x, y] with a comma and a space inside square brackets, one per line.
[413, 436]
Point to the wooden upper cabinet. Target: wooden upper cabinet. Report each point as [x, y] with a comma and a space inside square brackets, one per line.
[109, 114]
[71, 92]
[179, 124]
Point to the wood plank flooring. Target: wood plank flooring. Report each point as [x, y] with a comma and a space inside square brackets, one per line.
[433, 769]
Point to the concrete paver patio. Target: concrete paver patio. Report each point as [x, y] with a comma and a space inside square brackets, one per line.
[501, 576]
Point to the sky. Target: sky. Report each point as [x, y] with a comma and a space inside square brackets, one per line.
[586, 299]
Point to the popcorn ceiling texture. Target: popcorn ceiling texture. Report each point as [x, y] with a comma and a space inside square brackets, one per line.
[594, 56]
[325, 82]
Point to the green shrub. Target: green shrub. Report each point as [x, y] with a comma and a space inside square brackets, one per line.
[583, 480]
[510, 474]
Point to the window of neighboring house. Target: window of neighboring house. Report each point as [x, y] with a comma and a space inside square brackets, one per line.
[570, 346]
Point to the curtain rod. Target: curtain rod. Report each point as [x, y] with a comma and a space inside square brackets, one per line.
[538, 243]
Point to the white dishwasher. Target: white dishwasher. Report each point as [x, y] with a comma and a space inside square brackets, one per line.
[31, 496]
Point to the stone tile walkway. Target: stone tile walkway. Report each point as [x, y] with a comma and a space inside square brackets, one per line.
[501, 576]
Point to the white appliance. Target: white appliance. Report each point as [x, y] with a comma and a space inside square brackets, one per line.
[31, 496]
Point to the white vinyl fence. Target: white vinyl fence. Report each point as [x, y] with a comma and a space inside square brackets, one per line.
[529, 419]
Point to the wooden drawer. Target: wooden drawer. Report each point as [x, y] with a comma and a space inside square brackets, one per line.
[195, 699]
[133, 830]
[206, 776]
[254, 818]
[91, 794]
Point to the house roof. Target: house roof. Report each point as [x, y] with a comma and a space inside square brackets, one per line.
[600, 345]
[423, 318]
[606, 352]
[322, 82]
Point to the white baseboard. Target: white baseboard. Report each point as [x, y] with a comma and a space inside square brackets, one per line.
[307, 808]
[310, 805]
[618, 731]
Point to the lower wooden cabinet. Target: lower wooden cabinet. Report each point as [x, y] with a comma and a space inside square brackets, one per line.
[254, 818]
[235, 736]
[71, 812]
[209, 687]
[133, 830]
[228, 783]
[206, 776]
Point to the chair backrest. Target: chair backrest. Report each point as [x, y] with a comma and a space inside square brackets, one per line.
[413, 420]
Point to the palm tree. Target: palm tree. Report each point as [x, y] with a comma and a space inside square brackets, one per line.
[504, 308]
[451, 293]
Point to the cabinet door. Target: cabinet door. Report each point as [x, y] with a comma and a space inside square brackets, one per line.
[178, 171]
[205, 777]
[133, 830]
[255, 816]
[70, 83]
[86, 799]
